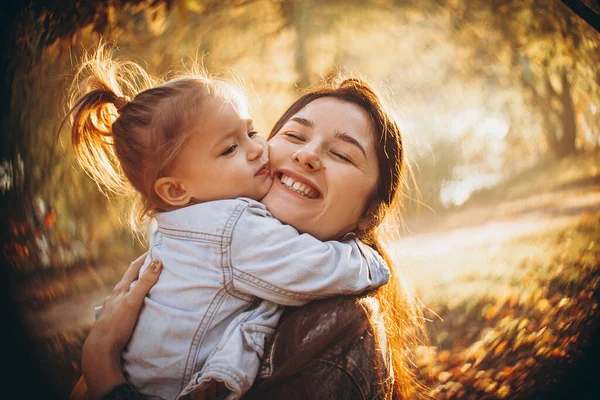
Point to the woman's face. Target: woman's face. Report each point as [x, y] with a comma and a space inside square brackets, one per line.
[324, 167]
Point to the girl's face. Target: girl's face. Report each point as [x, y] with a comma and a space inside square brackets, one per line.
[324, 167]
[224, 158]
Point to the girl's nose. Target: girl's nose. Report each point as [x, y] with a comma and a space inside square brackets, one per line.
[256, 148]
[308, 158]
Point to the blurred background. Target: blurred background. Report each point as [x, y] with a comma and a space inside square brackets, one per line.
[499, 104]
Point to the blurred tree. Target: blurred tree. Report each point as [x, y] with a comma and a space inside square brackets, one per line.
[550, 51]
[438, 60]
[54, 209]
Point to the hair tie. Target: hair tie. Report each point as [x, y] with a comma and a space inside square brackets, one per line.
[120, 102]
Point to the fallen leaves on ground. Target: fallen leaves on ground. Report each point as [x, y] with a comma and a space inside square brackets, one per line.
[519, 342]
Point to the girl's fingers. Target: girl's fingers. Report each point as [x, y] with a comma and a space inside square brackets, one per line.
[131, 274]
[148, 278]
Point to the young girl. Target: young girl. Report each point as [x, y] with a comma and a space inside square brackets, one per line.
[189, 150]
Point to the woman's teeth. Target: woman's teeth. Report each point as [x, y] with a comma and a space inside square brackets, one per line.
[299, 187]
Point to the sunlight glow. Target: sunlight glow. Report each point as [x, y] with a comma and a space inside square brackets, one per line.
[456, 192]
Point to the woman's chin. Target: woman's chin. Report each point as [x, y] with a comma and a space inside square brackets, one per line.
[284, 212]
[304, 214]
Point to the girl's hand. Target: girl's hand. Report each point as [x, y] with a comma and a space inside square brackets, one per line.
[101, 356]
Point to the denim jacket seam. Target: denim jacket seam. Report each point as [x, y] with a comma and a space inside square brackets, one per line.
[228, 269]
[245, 319]
[257, 282]
[158, 242]
[211, 372]
[230, 371]
[252, 314]
[208, 369]
[199, 335]
[190, 235]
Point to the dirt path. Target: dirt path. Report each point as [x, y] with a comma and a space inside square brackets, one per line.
[467, 246]
[76, 312]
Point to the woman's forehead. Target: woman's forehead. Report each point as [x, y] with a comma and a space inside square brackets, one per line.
[337, 116]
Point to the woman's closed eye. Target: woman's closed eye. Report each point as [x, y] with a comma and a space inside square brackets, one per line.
[293, 136]
[342, 157]
[252, 134]
[229, 150]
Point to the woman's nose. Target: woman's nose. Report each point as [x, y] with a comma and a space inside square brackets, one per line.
[308, 158]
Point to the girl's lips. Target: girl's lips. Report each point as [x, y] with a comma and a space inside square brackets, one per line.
[263, 170]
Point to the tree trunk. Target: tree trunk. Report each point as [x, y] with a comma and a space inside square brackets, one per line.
[559, 124]
[568, 122]
[300, 22]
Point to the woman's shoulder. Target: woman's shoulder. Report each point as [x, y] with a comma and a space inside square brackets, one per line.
[338, 337]
[342, 314]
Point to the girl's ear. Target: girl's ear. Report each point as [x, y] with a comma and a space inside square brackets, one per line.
[172, 191]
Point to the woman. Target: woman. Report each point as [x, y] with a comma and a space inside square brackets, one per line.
[338, 136]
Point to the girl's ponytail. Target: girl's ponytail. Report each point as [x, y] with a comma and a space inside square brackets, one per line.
[128, 128]
[99, 94]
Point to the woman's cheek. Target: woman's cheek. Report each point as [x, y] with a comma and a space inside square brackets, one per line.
[274, 148]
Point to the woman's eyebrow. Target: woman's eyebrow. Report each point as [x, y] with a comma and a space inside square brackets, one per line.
[303, 121]
[349, 139]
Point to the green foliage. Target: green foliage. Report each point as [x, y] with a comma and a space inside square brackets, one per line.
[543, 47]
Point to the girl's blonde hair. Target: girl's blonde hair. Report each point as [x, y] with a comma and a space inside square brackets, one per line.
[128, 127]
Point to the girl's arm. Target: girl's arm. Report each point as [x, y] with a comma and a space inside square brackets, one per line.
[101, 356]
[273, 261]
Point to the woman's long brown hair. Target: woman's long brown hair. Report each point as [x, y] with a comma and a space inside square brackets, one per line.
[393, 303]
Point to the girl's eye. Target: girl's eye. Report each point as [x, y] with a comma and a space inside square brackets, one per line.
[229, 150]
[342, 157]
[252, 134]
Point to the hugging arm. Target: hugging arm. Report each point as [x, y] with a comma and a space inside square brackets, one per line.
[276, 263]
[272, 261]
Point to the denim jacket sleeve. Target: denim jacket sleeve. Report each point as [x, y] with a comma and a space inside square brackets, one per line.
[236, 359]
[273, 261]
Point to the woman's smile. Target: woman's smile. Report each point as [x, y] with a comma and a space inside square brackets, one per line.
[298, 184]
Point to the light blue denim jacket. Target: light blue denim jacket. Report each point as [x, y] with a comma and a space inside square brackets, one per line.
[219, 260]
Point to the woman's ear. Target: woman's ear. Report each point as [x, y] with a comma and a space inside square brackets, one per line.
[368, 220]
[172, 191]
